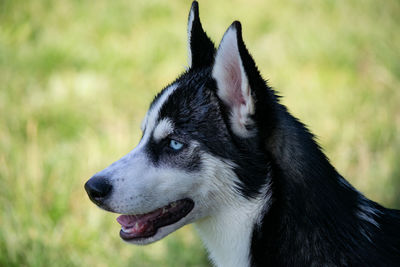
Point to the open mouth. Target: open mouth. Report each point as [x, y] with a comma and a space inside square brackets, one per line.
[146, 225]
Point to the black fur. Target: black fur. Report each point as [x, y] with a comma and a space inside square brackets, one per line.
[201, 46]
[315, 218]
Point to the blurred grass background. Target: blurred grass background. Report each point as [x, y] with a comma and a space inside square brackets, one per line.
[76, 78]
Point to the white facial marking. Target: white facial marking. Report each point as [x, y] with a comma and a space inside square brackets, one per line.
[149, 123]
[233, 86]
[163, 129]
[132, 175]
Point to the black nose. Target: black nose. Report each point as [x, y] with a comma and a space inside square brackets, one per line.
[98, 189]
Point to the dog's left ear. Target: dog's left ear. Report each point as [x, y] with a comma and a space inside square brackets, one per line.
[232, 80]
[201, 49]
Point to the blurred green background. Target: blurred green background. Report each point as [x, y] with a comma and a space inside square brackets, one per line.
[76, 78]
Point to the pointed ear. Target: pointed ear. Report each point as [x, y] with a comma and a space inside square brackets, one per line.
[200, 47]
[232, 81]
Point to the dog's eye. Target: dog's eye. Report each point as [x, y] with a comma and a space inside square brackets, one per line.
[175, 145]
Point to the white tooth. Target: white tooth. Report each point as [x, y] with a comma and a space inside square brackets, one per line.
[164, 210]
[173, 205]
[136, 226]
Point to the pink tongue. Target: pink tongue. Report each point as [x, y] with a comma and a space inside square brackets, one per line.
[127, 220]
[138, 225]
[130, 220]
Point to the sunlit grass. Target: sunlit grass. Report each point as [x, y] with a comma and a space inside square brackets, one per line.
[76, 78]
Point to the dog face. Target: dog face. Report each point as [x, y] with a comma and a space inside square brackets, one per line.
[198, 134]
[172, 177]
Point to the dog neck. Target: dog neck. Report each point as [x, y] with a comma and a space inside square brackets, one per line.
[311, 203]
[227, 233]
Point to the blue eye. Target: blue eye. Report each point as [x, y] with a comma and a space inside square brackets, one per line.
[175, 145]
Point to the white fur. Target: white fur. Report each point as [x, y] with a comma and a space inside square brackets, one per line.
[227, 230]
[224, 219]
[133, 175]
[190, 24]
[143, 124]
[233, 86]
[227, 233]
[141, 187]
[150, 120]
[163, 129]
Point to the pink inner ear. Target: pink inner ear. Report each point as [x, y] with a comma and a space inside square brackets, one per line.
[229, 74]
[236, 97]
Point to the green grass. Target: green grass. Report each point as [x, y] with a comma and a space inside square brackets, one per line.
[76, 78]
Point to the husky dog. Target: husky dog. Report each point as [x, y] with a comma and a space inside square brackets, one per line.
[220, 151]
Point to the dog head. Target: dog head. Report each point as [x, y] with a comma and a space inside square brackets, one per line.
[200, 149]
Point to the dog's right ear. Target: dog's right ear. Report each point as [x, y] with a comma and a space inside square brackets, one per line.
[200, 47]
